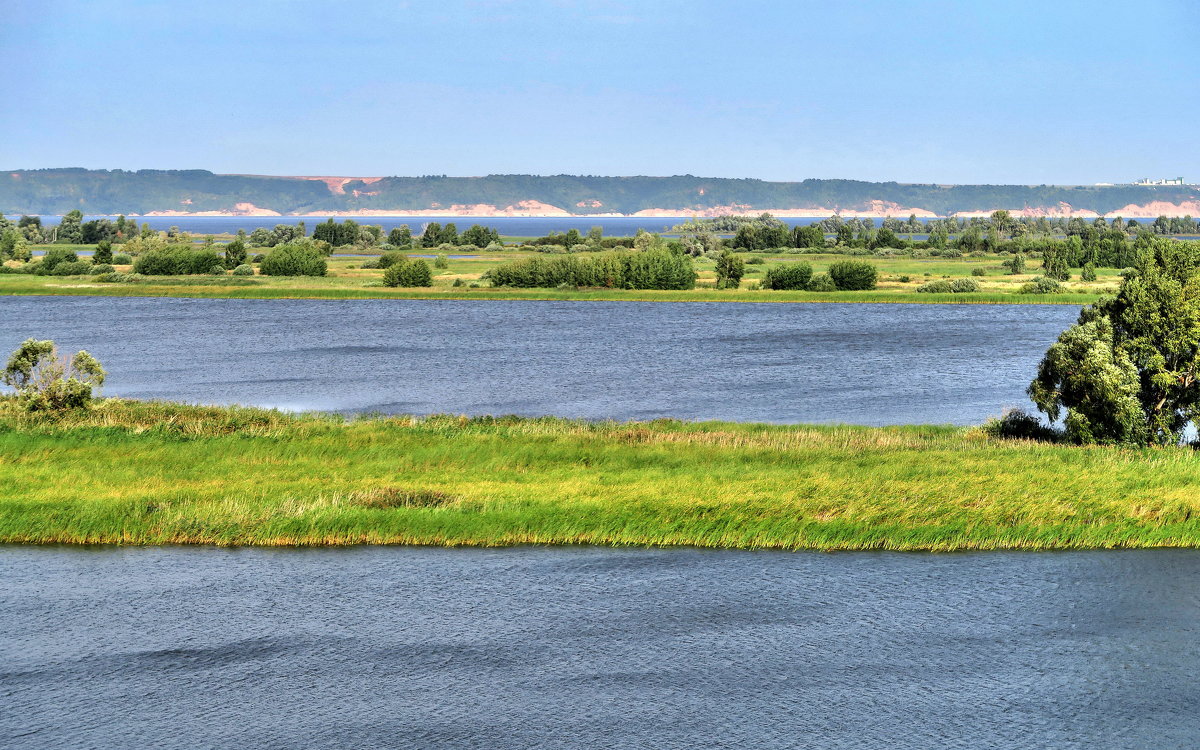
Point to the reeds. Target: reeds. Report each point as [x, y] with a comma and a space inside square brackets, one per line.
[127, 472]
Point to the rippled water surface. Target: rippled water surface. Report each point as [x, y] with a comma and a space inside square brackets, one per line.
[867, 364]
[594, 648]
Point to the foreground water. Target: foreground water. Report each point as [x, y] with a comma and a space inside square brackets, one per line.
[856, 363]
[595, 648]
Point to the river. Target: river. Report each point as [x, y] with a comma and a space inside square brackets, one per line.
[597, 648]
[854, 363]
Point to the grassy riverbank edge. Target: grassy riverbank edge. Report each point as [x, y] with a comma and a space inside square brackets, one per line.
[541, 295]
[150, 473]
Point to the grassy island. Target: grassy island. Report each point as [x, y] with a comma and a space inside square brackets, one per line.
[462, 278]
[127, 472]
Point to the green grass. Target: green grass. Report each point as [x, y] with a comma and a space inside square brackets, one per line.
[349, 281]
[154, 473]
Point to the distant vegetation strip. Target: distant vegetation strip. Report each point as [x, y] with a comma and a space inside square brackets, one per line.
[218, 289]
[157, 473]
[57, 191]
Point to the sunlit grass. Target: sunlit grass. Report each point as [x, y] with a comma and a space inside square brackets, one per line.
[348, 280]
[148, 473]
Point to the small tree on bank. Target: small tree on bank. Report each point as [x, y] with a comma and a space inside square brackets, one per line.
[730, 270]
[46, 382]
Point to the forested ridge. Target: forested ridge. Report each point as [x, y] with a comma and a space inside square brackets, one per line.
[58, 191]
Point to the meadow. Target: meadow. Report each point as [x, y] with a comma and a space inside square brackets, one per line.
[899, 278]
[127, 472]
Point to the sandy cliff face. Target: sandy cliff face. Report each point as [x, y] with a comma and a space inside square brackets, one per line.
[239, 209]
[532, 208]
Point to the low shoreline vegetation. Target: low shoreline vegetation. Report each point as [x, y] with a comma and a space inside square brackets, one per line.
[649, 269]
[129, 472]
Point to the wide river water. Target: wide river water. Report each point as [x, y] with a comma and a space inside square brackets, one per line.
[583, 647]
[854, 363]
[597, 648]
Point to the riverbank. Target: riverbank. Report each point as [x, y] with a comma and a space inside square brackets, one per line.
[131, 472]
[899, 279]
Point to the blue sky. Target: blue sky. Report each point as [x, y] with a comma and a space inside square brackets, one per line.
[939, 91]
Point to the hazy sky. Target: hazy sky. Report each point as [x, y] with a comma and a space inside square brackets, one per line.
[939, 91]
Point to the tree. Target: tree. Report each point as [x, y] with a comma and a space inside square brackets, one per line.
[1054, 262]
[70, 229]
[1016, 264]
[479, 236]
[809, 236]
[730, 270]
[1129, 370]
[235, 253]
[432, 236]
[886, 237]
[103, 254]
[45, 382]
[401, 236]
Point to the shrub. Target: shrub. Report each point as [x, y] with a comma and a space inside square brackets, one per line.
[441, 261]
[821, 282]
[259, 258]
[1088, 273]
[121, 259]
[649, 269]
[408, 273]
[458, 282]
[853, 275]
[1041, 285]
[53, 258]
[391, 258]
[788, 276]
[46, 382]
[101, 268]
[294, 260]
[244, 270]
[904, 279]
[72, 268]
[940, 286]
[961, 286]
[1017, 425]
[755, 261]
[117, 278]
[177, 260]
[1016, 264]
[978, 272]
[370, 264]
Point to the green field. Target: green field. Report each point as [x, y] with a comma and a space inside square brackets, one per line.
[347, 280]
[151, 473]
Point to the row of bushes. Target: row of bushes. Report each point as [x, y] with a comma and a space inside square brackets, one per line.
[944, 286]
[283, 260]
[651, 269]
[845, 276]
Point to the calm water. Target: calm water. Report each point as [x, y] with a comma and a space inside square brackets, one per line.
[866, 364]
[592, 648]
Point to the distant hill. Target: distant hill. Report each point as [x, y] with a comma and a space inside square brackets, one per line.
[167, 192]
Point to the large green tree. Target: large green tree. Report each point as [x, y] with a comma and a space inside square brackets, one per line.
[1129, 370]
